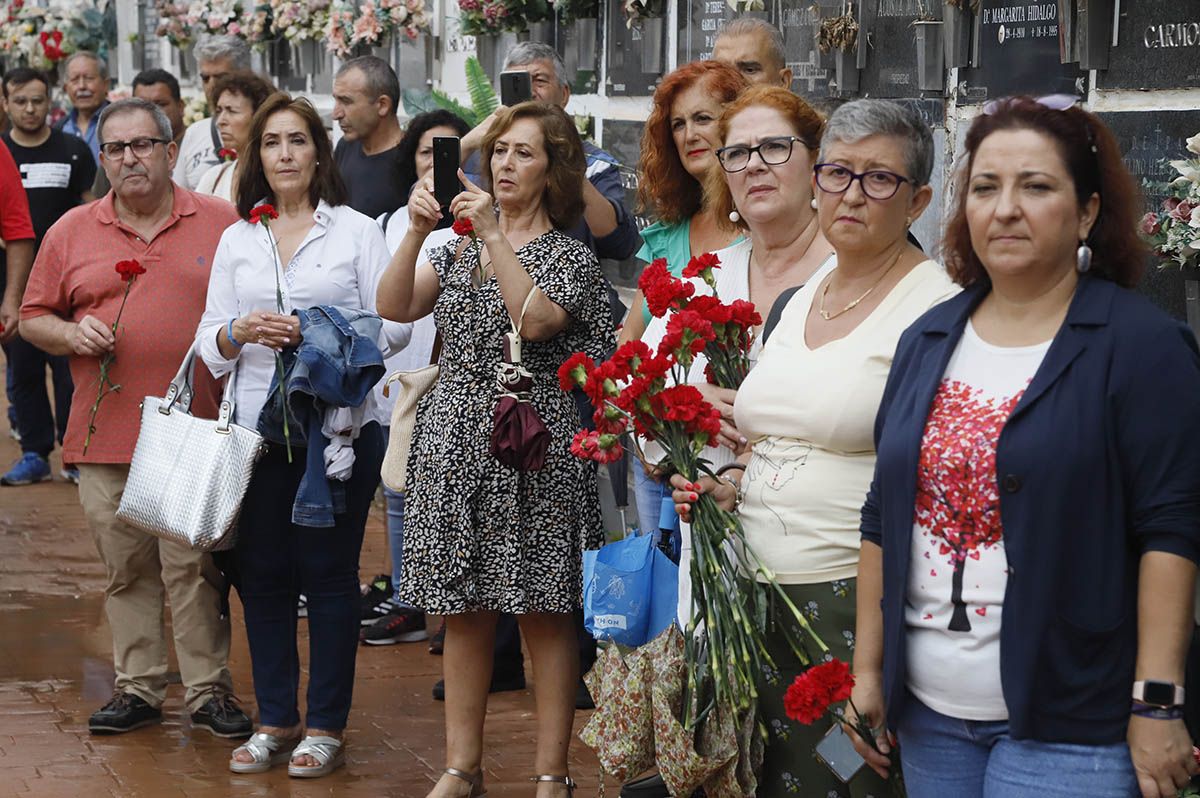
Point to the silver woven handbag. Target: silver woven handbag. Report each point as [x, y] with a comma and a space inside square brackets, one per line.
[189, 475]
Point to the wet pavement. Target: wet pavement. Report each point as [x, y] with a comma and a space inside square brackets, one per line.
[56, 669]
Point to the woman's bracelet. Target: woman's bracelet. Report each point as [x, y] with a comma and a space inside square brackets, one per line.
[229, 334]
[731, 467]
[1155, 712]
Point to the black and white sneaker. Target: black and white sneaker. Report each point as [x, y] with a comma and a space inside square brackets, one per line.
[402, 625]
[377, 600]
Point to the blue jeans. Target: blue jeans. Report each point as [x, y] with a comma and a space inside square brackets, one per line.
[977, 759]
[648, 493]
[277, 560]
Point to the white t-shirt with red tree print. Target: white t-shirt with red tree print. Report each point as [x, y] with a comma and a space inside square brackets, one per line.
[959, 571]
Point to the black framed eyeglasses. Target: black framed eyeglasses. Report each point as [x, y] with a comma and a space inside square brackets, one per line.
[773, 152]
[878, 184]
[142, 147]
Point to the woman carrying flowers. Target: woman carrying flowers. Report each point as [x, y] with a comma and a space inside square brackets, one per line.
[808, 406]
[238, 95]
[480, 537]
[1030, 538]
[304, 249]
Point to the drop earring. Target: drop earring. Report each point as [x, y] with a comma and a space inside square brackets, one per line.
[734, 216]
[812, 203]
[1083, 258]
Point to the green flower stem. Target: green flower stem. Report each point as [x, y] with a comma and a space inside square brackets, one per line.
[110, 357]
[287, 433]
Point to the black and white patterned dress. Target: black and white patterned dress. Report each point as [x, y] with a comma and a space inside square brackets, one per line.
[479, 535]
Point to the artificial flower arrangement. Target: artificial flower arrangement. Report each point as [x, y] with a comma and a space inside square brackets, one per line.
[1174, 228]
[173, 23]
[372, 22]
[195, 109]
[299, 20]
[646, 392]
[216, 17]
[839, 32]
[491, 17]
[637, 10]
[41, 37]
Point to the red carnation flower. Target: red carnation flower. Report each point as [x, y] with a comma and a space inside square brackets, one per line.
[227, 154]
[711, 308]
[129, 270]
[811, 694]
[575, 371]
[744, 314]
[702, 266]
[463, 227]
[264, 211]
[629, 356]
[661, 290]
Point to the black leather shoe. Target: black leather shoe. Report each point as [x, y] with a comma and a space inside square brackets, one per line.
[222, 716]
[501, 683]
[125, 712]
[647, 787]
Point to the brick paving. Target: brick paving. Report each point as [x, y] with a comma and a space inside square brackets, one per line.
[56, 668]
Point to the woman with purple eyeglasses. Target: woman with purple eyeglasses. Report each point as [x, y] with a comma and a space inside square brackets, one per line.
[1030, 537]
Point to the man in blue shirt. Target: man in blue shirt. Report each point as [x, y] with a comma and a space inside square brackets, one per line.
[87, 88]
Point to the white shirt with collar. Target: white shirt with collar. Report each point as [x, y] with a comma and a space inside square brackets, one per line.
[339, 263]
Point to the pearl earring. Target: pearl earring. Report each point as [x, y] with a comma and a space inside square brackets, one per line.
[734, 217]
[1083, 258]
[812, 203]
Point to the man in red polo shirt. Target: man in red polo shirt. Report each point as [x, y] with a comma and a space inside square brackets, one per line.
[16, 231]
[73, 296]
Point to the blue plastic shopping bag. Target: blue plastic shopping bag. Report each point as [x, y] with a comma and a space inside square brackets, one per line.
[629, 591]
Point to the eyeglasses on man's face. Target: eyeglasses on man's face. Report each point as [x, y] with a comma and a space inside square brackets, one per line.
[142, 147]
[878, 184]
[773, 152]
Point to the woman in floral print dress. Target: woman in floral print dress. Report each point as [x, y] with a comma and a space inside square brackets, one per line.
[482, 538]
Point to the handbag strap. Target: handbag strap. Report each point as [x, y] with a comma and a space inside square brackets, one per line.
[180, 392]
[524, 307]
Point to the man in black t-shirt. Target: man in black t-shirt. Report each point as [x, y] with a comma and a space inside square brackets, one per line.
[366, 93]
[57, 170]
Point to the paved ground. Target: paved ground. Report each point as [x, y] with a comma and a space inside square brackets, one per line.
[56, 668]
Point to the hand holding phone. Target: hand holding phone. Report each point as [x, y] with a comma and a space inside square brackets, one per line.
[446, 154]
[515, 87]
[836, 752]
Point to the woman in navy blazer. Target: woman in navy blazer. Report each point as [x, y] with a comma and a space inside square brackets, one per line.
[1029, 540]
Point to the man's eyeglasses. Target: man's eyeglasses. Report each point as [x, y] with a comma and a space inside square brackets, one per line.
[142, 147]
[878, 184]
[772, 151]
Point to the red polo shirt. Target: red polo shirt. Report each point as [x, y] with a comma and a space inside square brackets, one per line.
[15, 224]
[74, 275]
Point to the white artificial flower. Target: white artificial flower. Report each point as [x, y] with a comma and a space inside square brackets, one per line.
[1193, 144]
[1194, 221]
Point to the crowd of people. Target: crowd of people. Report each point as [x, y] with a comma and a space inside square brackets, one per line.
[952, 454]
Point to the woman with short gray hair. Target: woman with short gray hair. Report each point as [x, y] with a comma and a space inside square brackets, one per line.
[808, 407]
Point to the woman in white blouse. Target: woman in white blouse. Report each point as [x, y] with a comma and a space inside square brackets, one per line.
[808, 407]
[239, 95]
[329, 255]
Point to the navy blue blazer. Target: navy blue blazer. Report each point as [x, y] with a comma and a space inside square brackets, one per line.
[1098, 463]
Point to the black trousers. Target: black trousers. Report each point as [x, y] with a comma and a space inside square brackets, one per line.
[508, 660]
[39, 427]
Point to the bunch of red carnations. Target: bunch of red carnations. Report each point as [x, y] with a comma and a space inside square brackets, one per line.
[646, 392]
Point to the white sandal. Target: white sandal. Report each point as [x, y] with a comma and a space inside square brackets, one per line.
[330, 753]
[266, 751]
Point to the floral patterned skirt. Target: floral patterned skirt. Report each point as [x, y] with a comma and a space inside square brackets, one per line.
[789, 766]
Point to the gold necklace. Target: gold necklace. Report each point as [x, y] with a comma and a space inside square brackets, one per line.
[827, 316]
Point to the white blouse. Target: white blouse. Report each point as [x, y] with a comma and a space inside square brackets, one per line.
[218, 181]
[339, 263]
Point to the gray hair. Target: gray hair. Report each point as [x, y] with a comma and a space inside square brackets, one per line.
[101, 64]
[751, 26]
[381, 78]
[131, 105]
[528, 52]
[218, 48]
[858, 119]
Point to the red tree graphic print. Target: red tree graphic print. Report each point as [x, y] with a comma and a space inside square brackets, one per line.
[958, 500]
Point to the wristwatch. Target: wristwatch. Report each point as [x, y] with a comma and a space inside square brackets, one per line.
[1158, 694]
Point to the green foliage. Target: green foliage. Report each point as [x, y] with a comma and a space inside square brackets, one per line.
[479, 86]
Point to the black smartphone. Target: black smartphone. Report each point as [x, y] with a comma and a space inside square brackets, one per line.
[836, 752]
[515, 87]
[446, 154]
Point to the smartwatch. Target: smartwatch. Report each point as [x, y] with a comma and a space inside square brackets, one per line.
[1158, 694]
